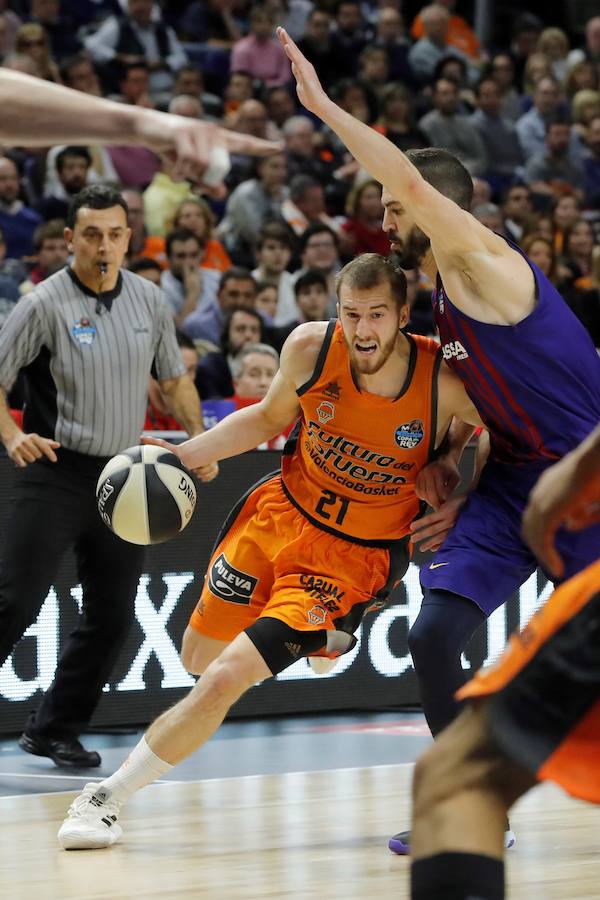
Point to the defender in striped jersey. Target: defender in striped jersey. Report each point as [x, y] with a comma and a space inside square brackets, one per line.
[527, 364]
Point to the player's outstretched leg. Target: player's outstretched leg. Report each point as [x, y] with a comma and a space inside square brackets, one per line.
[92, 820]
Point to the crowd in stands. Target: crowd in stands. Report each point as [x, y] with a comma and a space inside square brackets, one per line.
[244, 263]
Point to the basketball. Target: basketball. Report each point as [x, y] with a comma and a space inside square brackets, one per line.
[145, 495]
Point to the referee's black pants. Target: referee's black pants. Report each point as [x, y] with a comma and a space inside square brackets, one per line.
[53, 508]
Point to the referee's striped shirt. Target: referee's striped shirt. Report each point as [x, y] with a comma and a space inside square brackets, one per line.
[87, 358]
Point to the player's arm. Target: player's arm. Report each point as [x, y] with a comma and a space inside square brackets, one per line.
[36, 113]
[496, 272]
[247, 428]
[568, 494]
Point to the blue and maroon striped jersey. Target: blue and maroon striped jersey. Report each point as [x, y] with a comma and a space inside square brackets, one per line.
[536, 384]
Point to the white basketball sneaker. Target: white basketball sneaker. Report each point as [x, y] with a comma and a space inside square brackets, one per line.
[91, 822]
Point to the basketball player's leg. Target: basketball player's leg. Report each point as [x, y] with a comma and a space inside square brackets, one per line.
[198, 650]
[463, 788]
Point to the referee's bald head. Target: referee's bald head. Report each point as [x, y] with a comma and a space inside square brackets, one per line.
[94, 196]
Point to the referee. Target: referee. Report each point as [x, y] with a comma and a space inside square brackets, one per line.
[85, 340]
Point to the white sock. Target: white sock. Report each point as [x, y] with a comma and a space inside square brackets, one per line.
[141, 767]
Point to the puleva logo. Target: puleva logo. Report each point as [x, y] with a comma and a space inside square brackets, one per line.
[229, 583]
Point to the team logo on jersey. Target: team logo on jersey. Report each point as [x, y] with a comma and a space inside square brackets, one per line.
[454, 350]
[409, 435]
[83, 331]
[332, 390]
[325, 411]
[316, 615]
[440, 302]
[229, 583]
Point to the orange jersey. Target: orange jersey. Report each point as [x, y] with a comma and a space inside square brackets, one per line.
[351, 465]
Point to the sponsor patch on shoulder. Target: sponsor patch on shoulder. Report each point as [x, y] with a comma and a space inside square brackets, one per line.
[229, 583]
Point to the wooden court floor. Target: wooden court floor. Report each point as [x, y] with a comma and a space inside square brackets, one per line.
[300, 835]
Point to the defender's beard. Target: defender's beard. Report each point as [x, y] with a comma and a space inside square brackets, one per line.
[410, 253]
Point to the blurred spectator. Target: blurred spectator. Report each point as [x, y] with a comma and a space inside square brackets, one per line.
[100, 171]
[540, 251]
[280, 104]
[236, 288]
[585, 302]
[565, 212]
[531, 127]
[499, 136]
[158, 412]
[374, 67]
[189, 80]
[554, 43]
[252, 204]
[253, 369]
[419, 302]
[31, 40]
[162, 197]
[518, 210]
[58, 25]
[250, 117]
[361, 232]
[187, 288]
[21, 62]
[390, 35]
[459, 35]
[575, 268]
[135, 166]
[349, 36]
[186, 105]
[238, 89]
[306, 156]
[259, 53]
[305, 204]
[585, 106]
[51, 251]
[312, 303]
[490, 215]
[147, 268]
[78, 72]
[426, 53]
[266, 302]
[482, 192]
[17, 221]
[8, 30]
[321, 48]
[72, 166]
[538, 66]
[273, 253]
[591, 50]
[556, 170]
[583, 76]
[210, 22]
[502, 70]
[134, 85]
[591, 164]
[319, 249]
[455, 69]
[241, 326]
[444, 127]
[142, 244]
[525, 33]
[139, 36]
[12, 274]
[196, 215]
[396, 118]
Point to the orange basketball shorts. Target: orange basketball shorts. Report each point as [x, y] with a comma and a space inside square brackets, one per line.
[271, 561]
[544, 692]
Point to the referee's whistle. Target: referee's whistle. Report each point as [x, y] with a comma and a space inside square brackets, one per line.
[103, 268]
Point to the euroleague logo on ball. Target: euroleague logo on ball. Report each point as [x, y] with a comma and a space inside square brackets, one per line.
[105, 493]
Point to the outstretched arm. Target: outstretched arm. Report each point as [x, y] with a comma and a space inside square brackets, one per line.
[462, 246]
[566, 495]
[36, 113]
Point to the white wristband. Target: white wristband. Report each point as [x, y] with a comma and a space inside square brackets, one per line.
[219, 165]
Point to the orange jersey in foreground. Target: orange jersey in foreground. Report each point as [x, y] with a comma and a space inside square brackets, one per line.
[351, 465]
[563, 630]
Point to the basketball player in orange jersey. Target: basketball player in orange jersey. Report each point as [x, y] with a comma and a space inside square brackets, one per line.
[534, 716]
[310, 549]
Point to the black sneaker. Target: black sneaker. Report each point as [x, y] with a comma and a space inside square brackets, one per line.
[68, 754]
